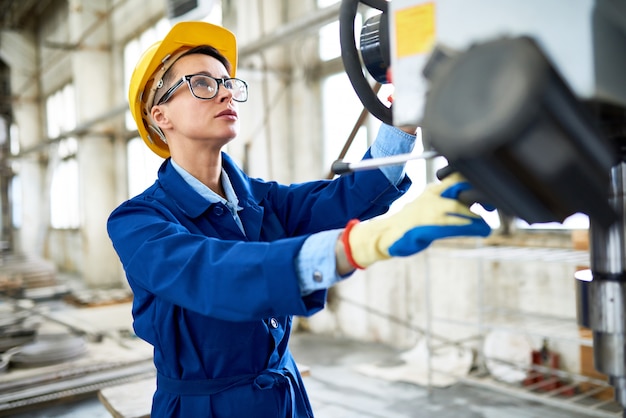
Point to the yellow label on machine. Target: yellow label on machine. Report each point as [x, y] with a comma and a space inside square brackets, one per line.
[415, 29]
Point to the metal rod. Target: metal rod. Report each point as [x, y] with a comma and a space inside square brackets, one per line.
[342, 167]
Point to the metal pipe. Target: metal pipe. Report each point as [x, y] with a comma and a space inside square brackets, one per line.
[608, 246]
[607, 291]
[342, 167]
[79, 130]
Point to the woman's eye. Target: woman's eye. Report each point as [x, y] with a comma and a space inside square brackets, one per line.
[201, 84]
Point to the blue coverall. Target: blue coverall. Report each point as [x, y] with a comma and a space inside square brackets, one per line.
[217, 305]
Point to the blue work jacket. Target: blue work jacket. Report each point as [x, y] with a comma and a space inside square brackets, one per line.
[217, 305]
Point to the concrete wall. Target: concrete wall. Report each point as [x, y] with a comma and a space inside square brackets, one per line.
[61, 249]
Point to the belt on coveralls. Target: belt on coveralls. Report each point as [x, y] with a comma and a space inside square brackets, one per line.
[264, 380]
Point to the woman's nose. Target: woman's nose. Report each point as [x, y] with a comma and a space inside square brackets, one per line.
[225, 94]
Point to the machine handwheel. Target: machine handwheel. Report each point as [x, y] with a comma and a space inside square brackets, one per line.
[351, 61]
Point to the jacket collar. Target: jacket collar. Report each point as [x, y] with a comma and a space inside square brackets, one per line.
[190, 202]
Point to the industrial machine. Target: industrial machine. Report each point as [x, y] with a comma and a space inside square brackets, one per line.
[526, 99]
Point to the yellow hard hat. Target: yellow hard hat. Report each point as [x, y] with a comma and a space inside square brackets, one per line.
[158, 58]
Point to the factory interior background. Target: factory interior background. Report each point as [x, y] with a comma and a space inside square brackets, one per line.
[498, 312]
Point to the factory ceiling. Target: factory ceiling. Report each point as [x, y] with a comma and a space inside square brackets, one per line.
[15, 13]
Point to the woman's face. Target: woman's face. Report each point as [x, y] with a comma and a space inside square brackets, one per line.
[215, 119]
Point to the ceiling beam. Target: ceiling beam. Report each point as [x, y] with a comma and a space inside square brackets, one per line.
[285, 33]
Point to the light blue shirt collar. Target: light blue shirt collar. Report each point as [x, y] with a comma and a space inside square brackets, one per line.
[231, 201]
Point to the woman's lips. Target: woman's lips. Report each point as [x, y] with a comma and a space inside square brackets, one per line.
[228, 113]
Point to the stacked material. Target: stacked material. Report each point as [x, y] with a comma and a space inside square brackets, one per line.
[64, 361]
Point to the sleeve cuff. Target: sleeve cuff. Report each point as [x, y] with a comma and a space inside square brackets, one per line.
[392, 141]
[315, 264]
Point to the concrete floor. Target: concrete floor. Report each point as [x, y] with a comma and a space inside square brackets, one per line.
[337, 390]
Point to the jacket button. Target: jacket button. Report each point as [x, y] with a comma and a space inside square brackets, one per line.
[274, 323]
[317, 276]
[218, 210]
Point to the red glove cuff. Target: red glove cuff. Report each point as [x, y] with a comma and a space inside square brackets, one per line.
[345, 240]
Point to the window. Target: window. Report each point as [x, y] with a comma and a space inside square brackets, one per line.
[16, 201]
[64, 195]
[340, 110]
[142, 166]
[329, 46]
[15, 195]
[133, 50]
[141, 162]
[61, 117]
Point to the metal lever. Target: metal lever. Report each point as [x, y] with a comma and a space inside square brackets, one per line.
[342, 167]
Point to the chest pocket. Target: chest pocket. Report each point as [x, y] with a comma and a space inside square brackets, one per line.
[218, 221]
[273, 228]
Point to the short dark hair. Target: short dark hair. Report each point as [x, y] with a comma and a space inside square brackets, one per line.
[201, 49]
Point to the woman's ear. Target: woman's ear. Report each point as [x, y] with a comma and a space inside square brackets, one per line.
[159, 117]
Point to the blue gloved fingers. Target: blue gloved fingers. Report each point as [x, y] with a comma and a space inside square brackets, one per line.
[418, 238]
[477, 226]
[487, 207]
[454, 192]
[456, 189]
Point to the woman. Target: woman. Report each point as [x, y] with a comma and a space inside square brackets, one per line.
[219, 262]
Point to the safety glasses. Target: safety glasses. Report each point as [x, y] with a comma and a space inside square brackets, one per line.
[205, 87]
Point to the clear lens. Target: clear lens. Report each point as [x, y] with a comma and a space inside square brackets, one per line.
[239, 89]
[205, 87]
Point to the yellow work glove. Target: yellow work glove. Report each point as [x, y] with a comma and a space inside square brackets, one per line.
[434, 214]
